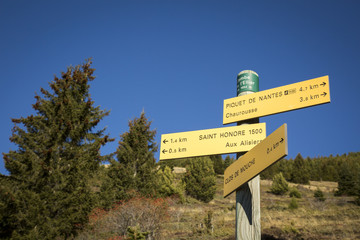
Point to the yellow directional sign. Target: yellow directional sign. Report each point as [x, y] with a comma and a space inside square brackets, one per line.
[286, 98]
[211, 141]
[248, 166]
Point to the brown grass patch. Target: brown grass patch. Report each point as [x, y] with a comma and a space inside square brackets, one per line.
[335, 218]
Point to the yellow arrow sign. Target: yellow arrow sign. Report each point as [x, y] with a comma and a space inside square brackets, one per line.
[211, 141]
[270, 150]
[286, 98]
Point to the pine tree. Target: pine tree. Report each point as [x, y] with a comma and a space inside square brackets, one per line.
[228, 161]
[294, 192]
[58, 151]
[349, 178]
[218, 164]
[319, 195]
[200, 179]
[300, 171]
[134, 233]
[135, 166]
[165, 182]
[293, 204]
[7, 207]
[279, 185]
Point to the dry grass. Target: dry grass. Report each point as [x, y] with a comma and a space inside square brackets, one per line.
[335, 218]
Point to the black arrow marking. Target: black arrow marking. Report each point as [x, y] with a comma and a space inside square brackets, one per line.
[165, 141]
[164, 151]
[324, 94]
[282, 140]
[323, 84]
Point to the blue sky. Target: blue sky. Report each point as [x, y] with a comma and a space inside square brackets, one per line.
[178, 60]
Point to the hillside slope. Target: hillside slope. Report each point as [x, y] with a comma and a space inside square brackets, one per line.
[334, 218]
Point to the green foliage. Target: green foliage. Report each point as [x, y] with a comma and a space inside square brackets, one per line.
[293, 204]
[342, 169]
[228, 161]
[134, 233]
[357, 201]
[165, 182]
[291, 228]
[175, 163]
[279, 185]
[200, 179]
[349, 178]
[136, 153]
[203, 226]
[167, 185]
[300, 173]
[218, 164]
[319, 195]
[115, 184]
[58, 153]
[284, 166]
[8, 208]
[294, 192]
[208, 221]
[134, 169]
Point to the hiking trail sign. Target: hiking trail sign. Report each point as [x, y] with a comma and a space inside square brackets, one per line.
[267, 152]
[211, 141]
[286, 98]
[261, 151]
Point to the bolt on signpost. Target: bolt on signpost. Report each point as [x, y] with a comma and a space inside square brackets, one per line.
[248, 196]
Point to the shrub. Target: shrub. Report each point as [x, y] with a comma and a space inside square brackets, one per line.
[208, 222]
[134, 233]
[279, 185]
[319, 195]
[167, 185]
[293, 204]
[291, 228]
[200, 180]
[357, 201]
[146, 214]
[203, 226]
[294, 192]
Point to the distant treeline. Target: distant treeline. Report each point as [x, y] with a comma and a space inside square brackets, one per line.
[314, 169]
[344, 169]
[219, 164]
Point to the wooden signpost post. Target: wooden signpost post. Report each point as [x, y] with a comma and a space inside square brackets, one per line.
[247, 198]
[248, 136]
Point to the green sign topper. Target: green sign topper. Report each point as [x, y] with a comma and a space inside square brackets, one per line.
[247, 81]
